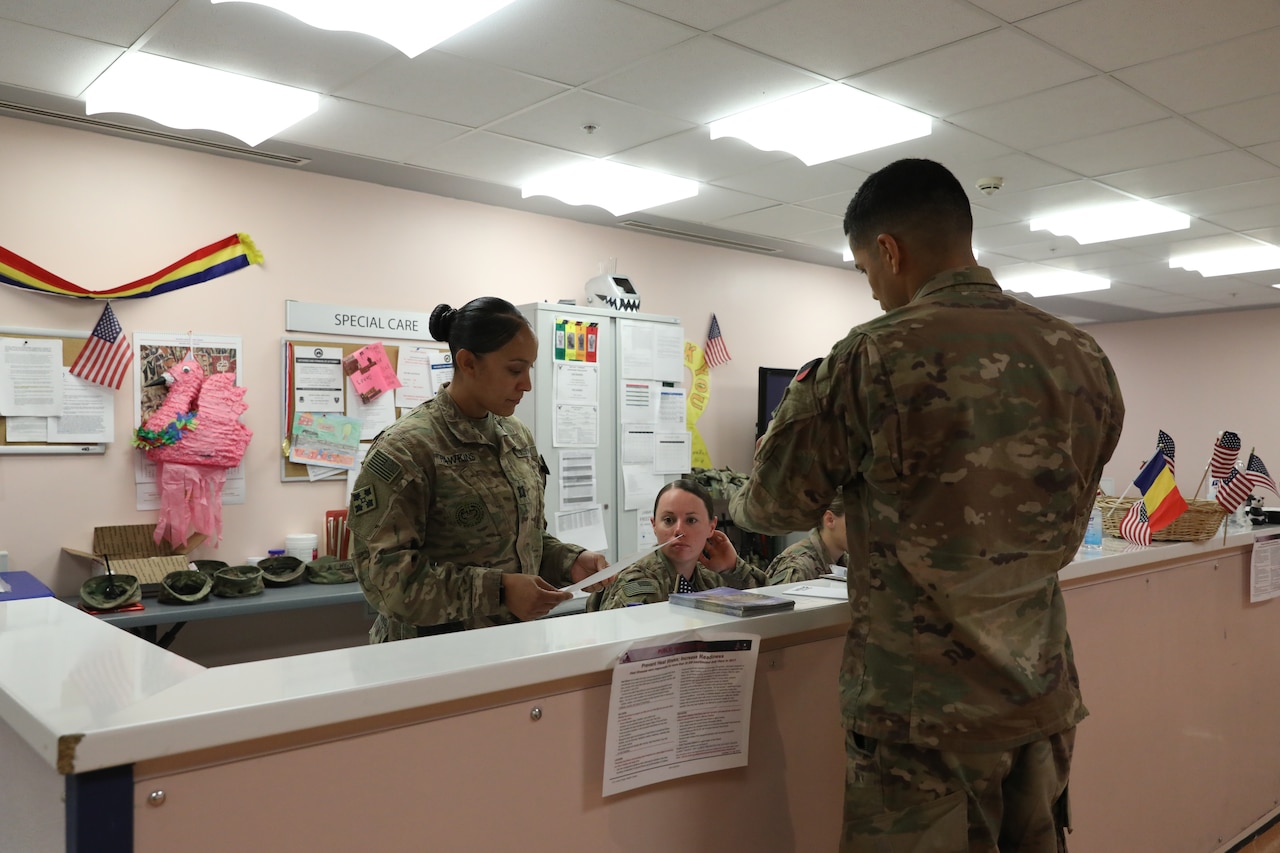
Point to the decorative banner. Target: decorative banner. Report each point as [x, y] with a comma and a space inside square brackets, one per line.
[217, 259]
[699, 394]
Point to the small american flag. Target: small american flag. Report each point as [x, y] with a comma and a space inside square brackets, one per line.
[1165, 443]
[1258, 475]
[1225, 452]
[717, 353]
[1135, 527]
[1232, 490]
[107, 355]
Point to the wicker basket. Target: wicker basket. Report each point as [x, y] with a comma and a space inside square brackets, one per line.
[1200, 522]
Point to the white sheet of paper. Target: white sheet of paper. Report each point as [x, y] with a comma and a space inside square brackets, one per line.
[30, 377]
[576, 382]
[672, 414]
[583, 527]
[441, 370]
[361, 452]
[317, 379]
[668, 353]
[413, 368]
[576, 425]
[838, 593]
[636, 356]
[637, 404]
[640, 483]
[577, 478]
[18, 429]
[638, 446]
[674, 453]
[374, 416]
[88, 413]
[609, 571]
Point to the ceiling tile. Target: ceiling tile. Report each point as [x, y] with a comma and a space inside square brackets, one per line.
[730, 80]
[1045, 200]
[1111, 35]
[562, 121]
[1245, 123]
[1102, 262]
[1224, 199]
[369, 131]
[789, 180]
[494, 158]
[947, 144]
[1149, 144]
[569, 41]
[1243, 68]
[829, 239]
[119, 24]
[1016, 10]
[1072, 111]
[835, 204]
[711, 203]
[1269, 152]
[842, 38]
[1019, 171]
[51, 62]
[984, 218]
[705, 14]
[256, 41]
[983, 69]
[693, 154]
[783, 220]
[1267, 216]
[449, 88]
[1196, 173]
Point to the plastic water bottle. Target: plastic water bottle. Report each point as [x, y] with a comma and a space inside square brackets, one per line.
[1093, 533]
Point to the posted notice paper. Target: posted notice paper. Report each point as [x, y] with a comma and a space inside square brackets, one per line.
[679, 706]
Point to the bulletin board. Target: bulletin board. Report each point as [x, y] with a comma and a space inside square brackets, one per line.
[296, 471]
[72, 344]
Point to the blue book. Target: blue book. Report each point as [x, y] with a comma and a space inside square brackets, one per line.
[18, 585]
[734, 602]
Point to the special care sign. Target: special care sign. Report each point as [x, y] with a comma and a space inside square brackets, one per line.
[361, 322]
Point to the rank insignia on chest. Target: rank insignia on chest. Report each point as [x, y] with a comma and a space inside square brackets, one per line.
[363, 500]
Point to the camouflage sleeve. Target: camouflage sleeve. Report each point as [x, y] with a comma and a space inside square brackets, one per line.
[745, 576]
[800, 461]
[557, 560]
[640, 583]
[794, 566]
[388, 512]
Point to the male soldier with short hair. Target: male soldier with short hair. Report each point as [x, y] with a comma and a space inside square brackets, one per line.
[969, 432]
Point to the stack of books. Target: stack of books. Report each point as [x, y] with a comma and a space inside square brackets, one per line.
[734, 602]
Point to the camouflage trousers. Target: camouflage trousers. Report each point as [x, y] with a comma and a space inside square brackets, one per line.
[901, 798]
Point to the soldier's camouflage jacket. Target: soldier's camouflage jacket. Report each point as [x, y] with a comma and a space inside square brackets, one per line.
[652, 578]
[969, 431]
[442, 507]
[803, 561]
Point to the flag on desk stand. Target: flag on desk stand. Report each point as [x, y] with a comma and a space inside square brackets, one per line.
[1225, 452]
[716, 352]
[1135, 527]
[1165, 445]
[1160, 493]
[1232, 490]
[107, 355]
[1258, 475]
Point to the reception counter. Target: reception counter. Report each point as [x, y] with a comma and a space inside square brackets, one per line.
[494, 739]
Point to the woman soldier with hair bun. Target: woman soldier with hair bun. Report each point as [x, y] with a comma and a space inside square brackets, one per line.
[447, 512]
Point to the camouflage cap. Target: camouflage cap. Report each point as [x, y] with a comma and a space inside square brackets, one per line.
[281, 571]
[109, 592]
[185, 587]
[237, 581]
[329, 569]
[209, 567]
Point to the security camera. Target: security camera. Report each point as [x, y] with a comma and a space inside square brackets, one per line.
[989, 186]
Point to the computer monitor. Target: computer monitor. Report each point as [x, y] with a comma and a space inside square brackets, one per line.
[773, 381]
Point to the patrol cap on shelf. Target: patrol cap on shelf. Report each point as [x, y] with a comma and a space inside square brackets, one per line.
[109, 592]
[329, 569]
[209, 567]
[237, 581]
[189, 586]
[281, 571]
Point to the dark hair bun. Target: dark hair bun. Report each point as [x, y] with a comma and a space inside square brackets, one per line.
[441, 321]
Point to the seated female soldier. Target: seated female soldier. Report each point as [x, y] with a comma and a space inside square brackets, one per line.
[813, 556]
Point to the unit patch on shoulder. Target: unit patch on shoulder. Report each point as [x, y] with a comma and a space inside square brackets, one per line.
[363, 500]
[803, 372]
[640, 586]
[382, 466]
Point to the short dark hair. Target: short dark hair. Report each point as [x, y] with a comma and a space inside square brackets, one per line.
[686, 486]
[481, 326]
[914, 195]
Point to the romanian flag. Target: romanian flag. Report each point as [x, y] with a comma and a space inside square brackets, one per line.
[1160, 493]
[234, 253]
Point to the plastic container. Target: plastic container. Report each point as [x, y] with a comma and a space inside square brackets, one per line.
[1093, 533]
[304, 546]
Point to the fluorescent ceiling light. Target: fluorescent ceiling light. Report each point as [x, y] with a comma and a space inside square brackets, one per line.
[410, 26]
[824, 124]
[1229, 261]
[182, 95]
[1053, 283]
[617, 188]
[1112, 222]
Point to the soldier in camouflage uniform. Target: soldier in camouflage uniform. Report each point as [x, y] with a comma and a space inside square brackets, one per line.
[702, 558]
[969, 431]
[813, 556]
[447, 512]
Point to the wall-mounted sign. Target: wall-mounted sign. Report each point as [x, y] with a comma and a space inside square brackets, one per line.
[361, 322]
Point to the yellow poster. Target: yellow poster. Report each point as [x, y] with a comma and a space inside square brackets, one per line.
[696, 403]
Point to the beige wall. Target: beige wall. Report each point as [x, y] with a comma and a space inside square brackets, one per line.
[101, 211]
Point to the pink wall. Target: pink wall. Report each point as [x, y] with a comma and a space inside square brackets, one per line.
[100, 211]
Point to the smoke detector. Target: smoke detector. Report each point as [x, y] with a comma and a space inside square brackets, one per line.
[990, 186]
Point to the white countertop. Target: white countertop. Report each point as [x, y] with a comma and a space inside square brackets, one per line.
[104, 697]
